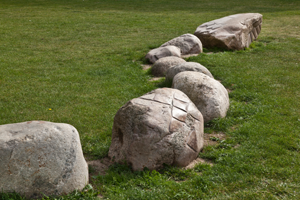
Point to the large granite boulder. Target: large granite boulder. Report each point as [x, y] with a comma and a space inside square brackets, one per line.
[39, 158]
[188, 44]
[187, 66]
[232, 32]
[161, 52]
[209, 95]
[161, 66]
[162, 126]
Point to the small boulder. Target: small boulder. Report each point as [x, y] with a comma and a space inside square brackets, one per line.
[161, 52]
[162, 126]
[188, 44]
[40, 157]
[187, 66]
[161, 66]
[234, 32]
[209, 95]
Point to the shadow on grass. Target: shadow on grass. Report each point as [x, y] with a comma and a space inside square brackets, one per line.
[232, 6]
[164, 83]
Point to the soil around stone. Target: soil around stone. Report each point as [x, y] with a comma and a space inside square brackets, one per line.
[209, 142]
[99, 167]
[146, 67]
[155, 79]
[189, 55]
[197, 161]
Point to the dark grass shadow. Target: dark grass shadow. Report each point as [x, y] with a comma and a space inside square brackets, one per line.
[215, 50]
[163, 83]
[192, 6]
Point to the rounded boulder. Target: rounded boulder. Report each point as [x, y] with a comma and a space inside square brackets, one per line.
[208, 94]
[160, 52]
[40, 157]
[188, 44]
[187, 66]
[161, 66]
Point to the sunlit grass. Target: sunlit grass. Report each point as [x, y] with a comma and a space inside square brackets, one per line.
[78, 62]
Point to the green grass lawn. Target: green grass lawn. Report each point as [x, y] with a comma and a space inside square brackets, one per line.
[79, 61]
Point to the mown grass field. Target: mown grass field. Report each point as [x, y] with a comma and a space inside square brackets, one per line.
[79, 61]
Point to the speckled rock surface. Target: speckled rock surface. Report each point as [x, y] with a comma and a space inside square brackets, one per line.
[232, 32]
[208, 94]
[41, 157]
[160, 52]
[162, 126]
[187, 66]
[161, 66]
[187, 43]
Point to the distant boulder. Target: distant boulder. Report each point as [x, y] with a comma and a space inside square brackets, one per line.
[233, 32]
[162, 126]
[187, 66]
[188, 44]
[160, 52]
[161, 66]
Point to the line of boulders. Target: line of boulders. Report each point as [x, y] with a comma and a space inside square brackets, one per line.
[234, 32]
[164, 126]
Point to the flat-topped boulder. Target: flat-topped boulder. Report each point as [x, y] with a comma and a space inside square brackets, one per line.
[187, 43]
[187, 66]
[162, 126]
[208, 94]
[160, 52]
[161, 66]
[234, 32]
[40, 157]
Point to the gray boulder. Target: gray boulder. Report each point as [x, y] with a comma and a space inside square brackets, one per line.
[232, 32]
[209, 95]
[160, 52]
[39, 158]
[188, 44]
[161, 66]
[187, 66]
[162, 126]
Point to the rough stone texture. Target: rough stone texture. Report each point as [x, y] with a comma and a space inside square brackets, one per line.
[161, 66]
[41, 157]
[161, 52]
[209, 95]
[187, 66]
[188, 44]
[232, 32]
[162, 126]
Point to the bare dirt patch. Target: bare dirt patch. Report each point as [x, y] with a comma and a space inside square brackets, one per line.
[188, 55]
[197, 161]
[211, 139]
[146, 67]
[99, 167]
[155, 78]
